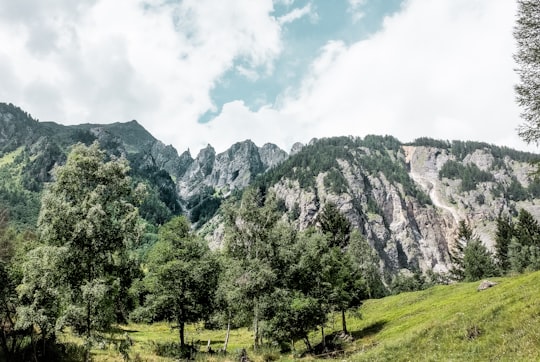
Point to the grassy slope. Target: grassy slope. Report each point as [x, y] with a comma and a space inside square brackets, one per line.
[441, 323]
[444, 323]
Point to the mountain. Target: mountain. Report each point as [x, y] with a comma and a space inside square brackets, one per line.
[406, 199]
[29, 150]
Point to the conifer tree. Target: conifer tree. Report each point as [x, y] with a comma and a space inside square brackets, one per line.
[527, 35]
[471, 259]
[503, 237]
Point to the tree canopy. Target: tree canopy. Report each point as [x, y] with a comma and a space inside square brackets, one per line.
[527, 35]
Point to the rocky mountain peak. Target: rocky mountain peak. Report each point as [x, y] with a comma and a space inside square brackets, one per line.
[232, 169]
[271, 155]
[296, 147]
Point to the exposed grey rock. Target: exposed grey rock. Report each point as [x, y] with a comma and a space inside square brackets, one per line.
[233, 169]
[166, 158]
[486, 284]
[271, 155]
[297, 147]
[405, 233]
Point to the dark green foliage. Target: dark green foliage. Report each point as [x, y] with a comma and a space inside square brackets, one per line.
[203, 205]
[295, 212]
[366, 266]
[294, 316]
[469, 174]
[335, 182]
[534, 188]
[503, 238]
[477, 261]
[527, 35]
[429, 142]
[524, 250]
[182, 277]
[515, 191]
[334, 225]
[17, 128]
[38, 166]
[470, 258]
[527, 230]
[23, 205]
[461, 149]
[153, 209]
[162, 190]
[407, 283]
[322, 156]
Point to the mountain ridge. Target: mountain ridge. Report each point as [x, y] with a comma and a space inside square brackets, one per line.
[405, 198]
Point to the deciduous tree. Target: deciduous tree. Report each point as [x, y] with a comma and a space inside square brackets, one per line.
[90, 210]
[182, 277]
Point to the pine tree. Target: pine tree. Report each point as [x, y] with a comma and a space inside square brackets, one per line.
[503, 237]
[471, 259]
[527, 35]
[464, 236]
[524, 250]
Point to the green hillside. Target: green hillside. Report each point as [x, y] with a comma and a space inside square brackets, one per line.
[443, 323]
[454, 323]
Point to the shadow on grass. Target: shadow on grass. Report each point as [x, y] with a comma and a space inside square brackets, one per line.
[369, 330]
[116, 329]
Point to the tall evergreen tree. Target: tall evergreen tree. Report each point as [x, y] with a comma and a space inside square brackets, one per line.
[503, 237]
[527, 35]
[471, 259]
[524, 250]
[477, 261]
[464, 236]
[333, 223]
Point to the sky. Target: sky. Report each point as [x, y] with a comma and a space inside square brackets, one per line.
[198, 72]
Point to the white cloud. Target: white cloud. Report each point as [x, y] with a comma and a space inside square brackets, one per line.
[442, 69]
[103, 61]
[298, 13]
[355, 8]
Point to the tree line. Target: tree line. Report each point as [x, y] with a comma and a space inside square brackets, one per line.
[91, 264]
[517, 249]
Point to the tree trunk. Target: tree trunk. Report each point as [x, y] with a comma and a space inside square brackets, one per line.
[227, 335]
[181, 333]
[344, 322]
[88, 331]
[323, 337]
[256, 326]
[308, 345]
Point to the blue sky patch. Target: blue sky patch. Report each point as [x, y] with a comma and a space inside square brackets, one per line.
[302, 40]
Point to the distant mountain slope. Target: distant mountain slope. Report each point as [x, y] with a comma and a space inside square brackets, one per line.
[30, 149]
[406, 199]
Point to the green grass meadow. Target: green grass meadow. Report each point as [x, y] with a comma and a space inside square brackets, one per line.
[443, 323]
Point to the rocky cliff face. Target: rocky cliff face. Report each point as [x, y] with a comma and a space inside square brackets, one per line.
[233, 169]
[398, 196]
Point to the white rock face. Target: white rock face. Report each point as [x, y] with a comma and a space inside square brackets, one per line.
[233, 169]
[406, 233]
